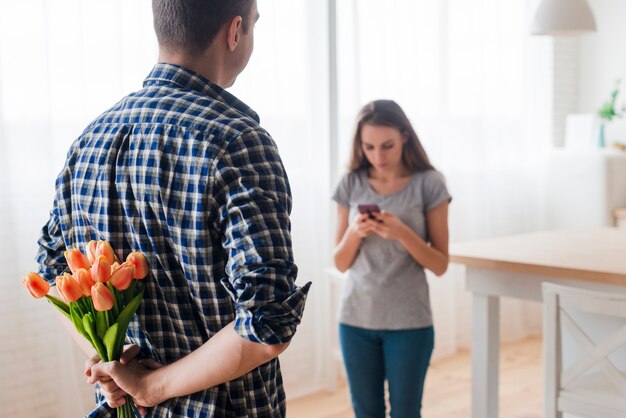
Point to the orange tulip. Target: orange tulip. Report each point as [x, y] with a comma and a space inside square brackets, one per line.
[114, 267]
[138, 260]
[76, 260]
[83, 277]
[105, 249]
[102, 297]
[101, 270]
[91, 251]
[68, 287]
[123, 276]
[36, 285]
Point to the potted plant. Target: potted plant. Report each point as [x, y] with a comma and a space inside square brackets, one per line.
[608, 112]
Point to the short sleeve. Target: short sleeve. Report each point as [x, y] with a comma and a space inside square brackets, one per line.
[342, 192]
[435, 190]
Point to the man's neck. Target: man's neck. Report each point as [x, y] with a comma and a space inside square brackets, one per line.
[211, 69]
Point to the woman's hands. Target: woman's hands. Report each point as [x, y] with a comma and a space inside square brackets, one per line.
[432, 255]
[362, 225]
[385, 224]
[389, 226]
[351, 233]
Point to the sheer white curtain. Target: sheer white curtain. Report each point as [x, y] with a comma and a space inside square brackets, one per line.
[477, 89]
[61, 64]
[286, 82]
[64, 62]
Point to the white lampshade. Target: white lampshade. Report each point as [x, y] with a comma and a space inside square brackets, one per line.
[562, 18]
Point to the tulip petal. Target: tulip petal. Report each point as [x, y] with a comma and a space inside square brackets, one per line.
[101, 297]
[101, 270]
[83, 276]
[104, 249]
[68, 287]
[91, 251]
[138, 260]
[76, 260]
[123, 276]
[36, 285]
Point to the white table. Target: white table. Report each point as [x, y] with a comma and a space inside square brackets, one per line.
[516, 266]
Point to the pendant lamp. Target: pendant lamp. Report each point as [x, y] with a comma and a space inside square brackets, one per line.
[563, 18]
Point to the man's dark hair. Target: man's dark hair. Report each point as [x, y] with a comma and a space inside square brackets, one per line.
[191, 25]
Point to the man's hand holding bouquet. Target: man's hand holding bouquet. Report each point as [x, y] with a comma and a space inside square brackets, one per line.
[100, 295]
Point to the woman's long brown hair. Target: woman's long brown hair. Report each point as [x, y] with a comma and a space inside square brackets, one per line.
[388, 113]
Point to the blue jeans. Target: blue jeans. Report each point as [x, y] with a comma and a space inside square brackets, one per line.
[401, 357]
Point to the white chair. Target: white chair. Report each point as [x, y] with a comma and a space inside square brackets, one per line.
[582, 389]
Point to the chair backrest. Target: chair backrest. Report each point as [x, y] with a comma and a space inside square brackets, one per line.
[558, 301]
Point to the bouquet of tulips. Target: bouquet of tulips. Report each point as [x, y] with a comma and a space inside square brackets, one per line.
[100, 297]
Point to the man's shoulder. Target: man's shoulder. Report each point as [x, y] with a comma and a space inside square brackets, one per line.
[187, 109]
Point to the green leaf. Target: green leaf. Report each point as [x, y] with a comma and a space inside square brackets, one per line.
[88, 323]
[60, 305]
[130, 292]
[110, 340]
[125, 317]
[78, 322]
[101, 324]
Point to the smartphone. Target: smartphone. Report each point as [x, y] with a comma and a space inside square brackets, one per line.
[369, 209]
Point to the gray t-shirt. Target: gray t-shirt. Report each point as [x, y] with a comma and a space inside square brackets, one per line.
[386, 288]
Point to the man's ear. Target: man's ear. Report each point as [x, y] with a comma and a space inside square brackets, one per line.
[234, 32]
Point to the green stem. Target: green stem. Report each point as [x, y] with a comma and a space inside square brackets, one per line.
[91, 307]
[128, 410]
[83, 305]
[114, 292]
[122, 411]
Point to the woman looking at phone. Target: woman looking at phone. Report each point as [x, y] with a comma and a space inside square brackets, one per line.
[385, 322]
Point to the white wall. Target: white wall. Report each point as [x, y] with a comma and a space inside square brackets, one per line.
[603, 60]
[565, 84]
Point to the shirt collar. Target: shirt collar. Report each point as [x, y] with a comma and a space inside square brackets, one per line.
[168, 74]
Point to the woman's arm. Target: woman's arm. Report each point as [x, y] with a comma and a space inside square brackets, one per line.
[349, 236]
[434, 257]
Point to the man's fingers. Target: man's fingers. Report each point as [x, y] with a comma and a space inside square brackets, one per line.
[102, 371]
[116, 395]
[150, 364]
[117, 402]
[90, 362]
[109, 386]
[129, 354]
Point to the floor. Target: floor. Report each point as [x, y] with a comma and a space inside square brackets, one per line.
[447, 391]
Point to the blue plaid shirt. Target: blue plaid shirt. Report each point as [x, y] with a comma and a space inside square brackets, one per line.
[182, 171]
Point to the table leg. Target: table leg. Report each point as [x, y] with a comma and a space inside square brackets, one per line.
[485, 355]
